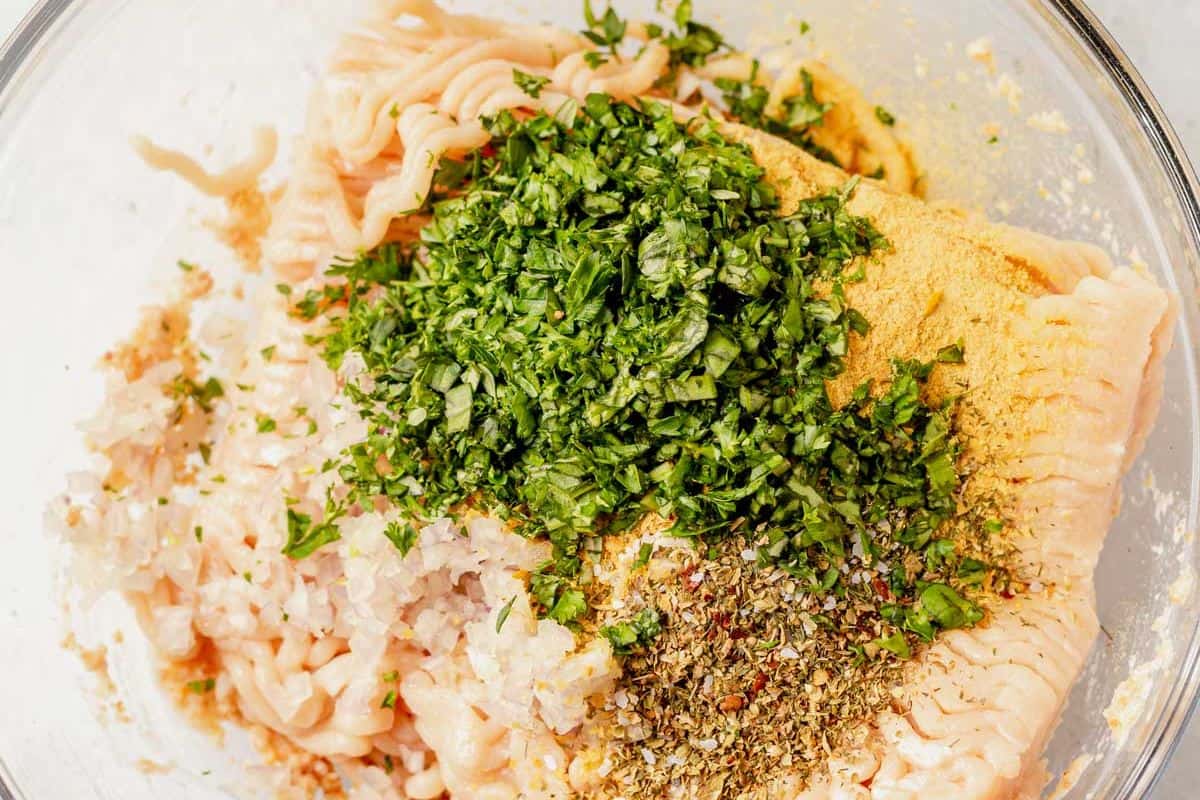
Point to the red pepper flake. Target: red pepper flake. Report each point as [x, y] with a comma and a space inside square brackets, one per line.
[731, 702]
[881, 588]
[760, 682]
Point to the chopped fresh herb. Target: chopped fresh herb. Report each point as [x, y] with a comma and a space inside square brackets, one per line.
[747, 100]
[390, 677]
[394, 111]
[247, 577]
[389, 699]
[570, 606]
[162, 501]
[198, 532]
[283, 288]
[314, 302]
[309, 305]
[594, 58]
[186, 266]
[643, 556]
[804, 27]
[205, 451]
[267, 352]
[951, 353]
[203, 686]
[896, 644]
[529, 84]
[505, 610]
[203, 394]
[884, 116]
[607, 30]
[304, 537]
[993, 139]
[388, 766]
[263, 423]
[948, 608]
[640, 631]
[402, 536]
[972, 572]
[691, 43]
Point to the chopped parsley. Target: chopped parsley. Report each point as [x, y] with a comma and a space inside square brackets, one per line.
[402, 536]
[951, 353]
[692, 42]
[529, 84]
[203, 686]
[505, 610]
[202, 394]
[884, 116]
[558, 598]
[643, 556]
[305, 538]
[637, 632]
[606, 30]
[747, 99]
[263, 423]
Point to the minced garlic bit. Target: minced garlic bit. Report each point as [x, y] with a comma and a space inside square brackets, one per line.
[1049, 122]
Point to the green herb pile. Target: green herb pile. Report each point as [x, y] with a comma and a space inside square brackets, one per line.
[608, 316]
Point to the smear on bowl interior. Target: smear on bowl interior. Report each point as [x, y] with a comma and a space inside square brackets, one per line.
[611, 419]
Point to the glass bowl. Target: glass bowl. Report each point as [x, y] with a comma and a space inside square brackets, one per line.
[1023, 109]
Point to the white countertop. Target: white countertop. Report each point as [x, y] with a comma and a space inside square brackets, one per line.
[1161, 38]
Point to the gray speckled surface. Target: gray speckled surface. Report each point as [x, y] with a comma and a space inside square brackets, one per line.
[1162, 37]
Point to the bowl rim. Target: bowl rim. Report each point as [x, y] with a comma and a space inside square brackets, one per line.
[1184, 698]
[1073, 15]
